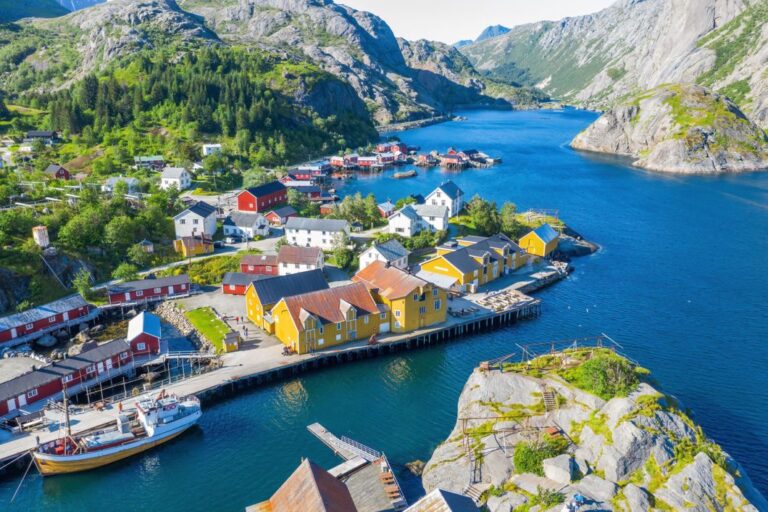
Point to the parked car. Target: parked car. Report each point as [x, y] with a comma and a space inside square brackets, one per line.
[218, 244]
[233, 239]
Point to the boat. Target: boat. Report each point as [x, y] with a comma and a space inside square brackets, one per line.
[155, 421]
[404, 174]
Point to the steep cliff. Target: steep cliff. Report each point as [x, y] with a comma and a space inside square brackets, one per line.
[681, 129]
[583, 421]
[635, 45]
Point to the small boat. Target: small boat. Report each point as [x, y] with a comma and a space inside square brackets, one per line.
[155, 421]
[404, 174]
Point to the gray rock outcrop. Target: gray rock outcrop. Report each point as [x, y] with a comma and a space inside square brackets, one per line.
[680, 128]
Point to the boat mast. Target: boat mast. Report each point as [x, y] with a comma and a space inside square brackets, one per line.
[66, 413]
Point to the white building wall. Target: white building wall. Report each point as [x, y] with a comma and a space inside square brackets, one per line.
[401, 225]
[310, 238]
[372, 255]
[195, 225]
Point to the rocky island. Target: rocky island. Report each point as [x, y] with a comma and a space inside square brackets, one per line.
[679, 128]
[530, 436]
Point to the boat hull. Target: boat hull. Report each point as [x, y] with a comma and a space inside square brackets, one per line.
[50, 465]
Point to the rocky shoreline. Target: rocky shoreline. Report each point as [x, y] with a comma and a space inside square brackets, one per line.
[529, 437]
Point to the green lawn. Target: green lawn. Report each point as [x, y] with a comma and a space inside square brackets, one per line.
[209, 325]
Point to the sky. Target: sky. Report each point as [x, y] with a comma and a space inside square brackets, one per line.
[452, 20]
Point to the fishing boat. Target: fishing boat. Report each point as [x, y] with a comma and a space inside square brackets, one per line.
[155, 421]
[404, 174]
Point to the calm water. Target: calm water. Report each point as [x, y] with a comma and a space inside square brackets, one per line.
[680, 282]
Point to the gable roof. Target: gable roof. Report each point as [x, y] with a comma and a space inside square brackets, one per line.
[173, 173]
[265, 189]
[450, 189]
[144, 323]
[245, 219]
[546, 233]
[317, 224]
[284, 211]
[327, 305]
[309, 489]
[391, 250]
[258, 260]
[387, 206]
[241, 279]
[45, 311]
[146, 284]
[441, 500]
[270, 291]
[299, 255]
[408, 212]
[391, 283]
[461, 260]
[54, 168]
[431, 210]
[200, 208]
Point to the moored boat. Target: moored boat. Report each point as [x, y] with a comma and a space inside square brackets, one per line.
[404, 174]
[155, 421]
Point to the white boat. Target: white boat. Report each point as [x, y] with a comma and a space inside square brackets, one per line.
[156, 421]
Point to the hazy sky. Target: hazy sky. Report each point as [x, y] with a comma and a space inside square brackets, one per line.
[452, 20]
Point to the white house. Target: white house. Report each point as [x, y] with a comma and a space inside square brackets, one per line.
[177, 177]
[391, 252]
[199, 219]
[435, 216]
[322, 233]
[406, 222]
[131, 183]
[246, 225]
[292, 259]
[210, 149]
[447, 194]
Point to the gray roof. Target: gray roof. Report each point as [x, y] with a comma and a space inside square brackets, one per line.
[200, 208]
[245, 220]
[431, 210]
[270, 291]
[173, 172]
[111, 182]
[241, 279]
[546, 233]
[53, 169]
[410, 212]
[391, 250]
[462, 260]
[146, 284]
[317, 224]
[440, 500]
[41, 312]
[450, 189]
[285, 211]
[60, 369]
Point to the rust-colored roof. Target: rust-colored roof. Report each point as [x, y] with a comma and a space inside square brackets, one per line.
[328, 305]
[392, 283]
[309, 489]
[299, 255]
[258, 260]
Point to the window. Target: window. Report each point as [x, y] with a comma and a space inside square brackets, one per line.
[416, 296]
[29, 327]
[383, 316]
[183, 221]
[67, 378]
[52, 319]
[124, 355]
[194, 221]
[338, 326]
[320, 329]
[139, 293]
[397, 313]
[31, 393]
[423, 310]
[157, 290]
[438, 305]
[434, 292]
[141, 346]
[365, 320]
[90, 369]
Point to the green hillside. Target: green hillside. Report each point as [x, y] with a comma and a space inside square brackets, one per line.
[12, 10]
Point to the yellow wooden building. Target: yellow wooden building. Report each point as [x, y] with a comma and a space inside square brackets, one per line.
[542, 241]
[474, 261]
[266, 291]
[189, 246]
[326, 318]
[413, 303]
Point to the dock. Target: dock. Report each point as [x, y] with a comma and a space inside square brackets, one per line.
[249, 368]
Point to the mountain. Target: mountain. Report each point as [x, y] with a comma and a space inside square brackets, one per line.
[679, 128]
[636, 45]
[12, 10]
[491, 32]
[463, 42]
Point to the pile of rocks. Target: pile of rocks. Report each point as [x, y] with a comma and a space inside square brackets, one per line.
[174, 315]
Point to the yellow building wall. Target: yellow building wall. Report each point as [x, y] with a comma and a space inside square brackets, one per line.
[195, 250]
[534, 245]
[440, 266]
[405, 313]
[303, 342]
[255, 310]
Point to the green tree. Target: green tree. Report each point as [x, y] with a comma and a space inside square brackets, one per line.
[298, 200]
[4, 113]
[508, 216]
[82, 282]
[484, 216]
[126, 272]
[120, 234]
[342, 254]
[83, 230]
[138, 256]
[372, 213]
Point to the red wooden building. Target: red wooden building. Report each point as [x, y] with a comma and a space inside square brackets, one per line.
[261, 264]
[91, 366]
[236, 283]
[262, 198]
[344, 162]
[280, 216]
[47, 318]
[55, 171]
[391, 147]
[368, 161]
[144, 334]
[148, 290]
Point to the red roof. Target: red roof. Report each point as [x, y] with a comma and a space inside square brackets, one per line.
[259, 260]
[328, 305]
[299, 255]
[392, 283]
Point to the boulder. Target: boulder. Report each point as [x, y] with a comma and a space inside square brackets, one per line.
[629, 451]
[637, 498]
[596, 488]
[560, 468]
[505, 503]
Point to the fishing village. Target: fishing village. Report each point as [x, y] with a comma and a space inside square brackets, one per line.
[79, 376]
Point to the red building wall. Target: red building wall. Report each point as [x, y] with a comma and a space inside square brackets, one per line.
[24, 329]
[233, 289]
[267, 270]
[151, 344]
[247, 202]
[150, 293]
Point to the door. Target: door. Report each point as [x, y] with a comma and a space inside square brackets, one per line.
[22, 400]
[128, 296]
[13, 333]
[11, 404]
[66, 316]
[384, 328]
[109, 364]
[100, 367]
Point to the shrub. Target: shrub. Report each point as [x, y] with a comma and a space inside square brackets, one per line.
[529, 456]
[605, 375]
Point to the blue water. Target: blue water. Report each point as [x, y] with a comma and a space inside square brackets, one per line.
[680, 282]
